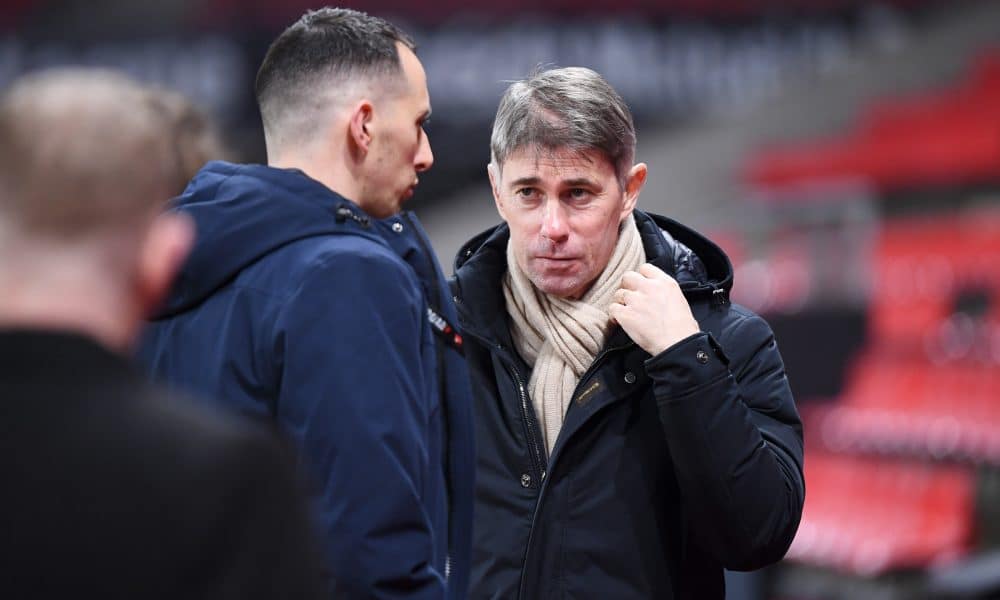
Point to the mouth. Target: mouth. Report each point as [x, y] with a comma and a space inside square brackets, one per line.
[411, 190]
[556, 260]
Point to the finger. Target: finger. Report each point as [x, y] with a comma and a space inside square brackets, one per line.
[620, 296]
[631, 280]
[614, 309]
[651, 271]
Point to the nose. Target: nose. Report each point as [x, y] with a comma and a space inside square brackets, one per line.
[554, 225]
[424, 158]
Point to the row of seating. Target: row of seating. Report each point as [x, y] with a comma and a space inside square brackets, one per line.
[909, 407]
[937, 138]
[891, 463]
[924, 266]
[868, 516]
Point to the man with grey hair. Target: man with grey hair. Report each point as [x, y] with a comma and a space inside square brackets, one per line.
[636, 432]
[111, 488]
[310, 300]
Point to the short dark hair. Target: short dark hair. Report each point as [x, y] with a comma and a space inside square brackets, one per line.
[329, 43]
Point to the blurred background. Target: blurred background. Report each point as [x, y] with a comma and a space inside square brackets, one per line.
[846, 155]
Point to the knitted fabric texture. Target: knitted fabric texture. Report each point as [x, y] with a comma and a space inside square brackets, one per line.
[560, 337]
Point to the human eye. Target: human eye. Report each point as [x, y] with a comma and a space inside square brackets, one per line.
[578, 194]
[526, 193]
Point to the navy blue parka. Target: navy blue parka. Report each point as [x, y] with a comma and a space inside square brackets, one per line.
[667, 469]
[298, 307]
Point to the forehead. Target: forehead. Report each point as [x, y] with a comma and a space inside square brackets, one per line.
[413, 73]
[556, 164]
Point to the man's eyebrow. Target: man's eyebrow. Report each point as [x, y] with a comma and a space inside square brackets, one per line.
[525, 181]
[578, 182]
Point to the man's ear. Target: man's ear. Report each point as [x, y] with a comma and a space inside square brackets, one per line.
[634, 181]
[360, 125]
[493, 172]
[163, 251]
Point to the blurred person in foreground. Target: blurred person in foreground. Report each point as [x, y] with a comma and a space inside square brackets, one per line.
[198, 137]
[636, 433]
[111, 489]
[311, 300]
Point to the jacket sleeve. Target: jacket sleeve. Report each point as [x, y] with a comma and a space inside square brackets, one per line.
[735, 439]
[354, 397]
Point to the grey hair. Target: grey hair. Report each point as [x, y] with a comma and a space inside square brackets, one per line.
[572, 107]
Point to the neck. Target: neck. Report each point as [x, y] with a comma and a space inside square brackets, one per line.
[70, 297]
[330, 170]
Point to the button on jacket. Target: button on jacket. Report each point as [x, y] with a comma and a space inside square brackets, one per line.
[296, 306]
[667, 469]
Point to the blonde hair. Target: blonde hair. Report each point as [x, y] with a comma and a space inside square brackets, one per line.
[197, 137]
[82, 150]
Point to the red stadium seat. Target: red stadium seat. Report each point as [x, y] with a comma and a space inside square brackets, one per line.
[869, 516]
[936, 138]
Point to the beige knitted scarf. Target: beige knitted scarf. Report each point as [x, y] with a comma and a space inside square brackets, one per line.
[560, 337]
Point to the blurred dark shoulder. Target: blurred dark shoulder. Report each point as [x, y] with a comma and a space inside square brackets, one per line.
[117, 488]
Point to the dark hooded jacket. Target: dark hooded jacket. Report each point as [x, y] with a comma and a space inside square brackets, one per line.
[296, 306]
[667, 468]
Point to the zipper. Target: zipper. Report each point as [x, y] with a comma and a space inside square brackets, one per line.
[435, 297]
[541, 491]
[718, 296]
[530, 428]
[531, 431]
[344, 212]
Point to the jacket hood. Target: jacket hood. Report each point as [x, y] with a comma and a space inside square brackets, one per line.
[699, 265]
[243, 212]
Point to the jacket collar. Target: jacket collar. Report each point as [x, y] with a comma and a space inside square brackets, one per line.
[702, 269]
[406, 237]
[244, 212]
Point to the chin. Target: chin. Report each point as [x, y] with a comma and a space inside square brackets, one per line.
[562, 288]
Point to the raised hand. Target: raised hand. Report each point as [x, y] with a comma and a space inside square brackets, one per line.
[652, 310]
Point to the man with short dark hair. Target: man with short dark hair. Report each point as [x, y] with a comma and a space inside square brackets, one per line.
[112, 488]
[310, 299]
[636, 433]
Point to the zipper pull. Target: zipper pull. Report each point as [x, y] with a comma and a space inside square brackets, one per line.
[719, 297]
[343, 213]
